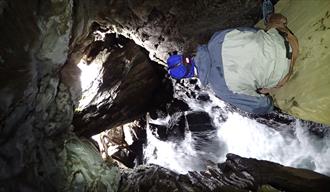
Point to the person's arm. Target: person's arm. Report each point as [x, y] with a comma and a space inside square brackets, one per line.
[251, 104]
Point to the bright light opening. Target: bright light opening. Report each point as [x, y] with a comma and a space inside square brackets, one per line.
[91, 78]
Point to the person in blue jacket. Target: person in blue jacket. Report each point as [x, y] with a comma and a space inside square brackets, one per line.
[240, 65]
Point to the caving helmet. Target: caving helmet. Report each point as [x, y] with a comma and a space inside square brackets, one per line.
[180, 67]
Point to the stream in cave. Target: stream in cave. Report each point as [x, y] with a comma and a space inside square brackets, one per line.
[291, 146]
[288, 145]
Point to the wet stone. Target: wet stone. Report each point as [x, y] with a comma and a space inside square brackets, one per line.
[199, 121]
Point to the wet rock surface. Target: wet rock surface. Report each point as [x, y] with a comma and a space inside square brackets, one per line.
[132, 84]
[174, 131]
[182, 122]
[284, 122]
[38, 150]
[129, 154]
[36, 106]
[199, 121]
[236, 174]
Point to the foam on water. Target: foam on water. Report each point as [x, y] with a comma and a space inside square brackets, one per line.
[241, 136]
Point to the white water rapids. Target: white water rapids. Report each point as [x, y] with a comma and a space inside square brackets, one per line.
[241, 136]
[238, 135]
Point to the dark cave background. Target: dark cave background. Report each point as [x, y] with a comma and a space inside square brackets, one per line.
[44, 143]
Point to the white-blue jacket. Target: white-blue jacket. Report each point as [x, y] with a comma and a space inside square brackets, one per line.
[209, 66]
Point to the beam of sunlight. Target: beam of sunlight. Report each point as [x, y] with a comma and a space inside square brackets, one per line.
[91, 78]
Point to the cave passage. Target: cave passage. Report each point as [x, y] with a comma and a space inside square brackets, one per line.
[71, 70]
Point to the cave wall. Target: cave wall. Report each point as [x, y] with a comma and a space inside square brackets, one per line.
[36, 105]
[162, 27]
[131, 86]
[41, 43]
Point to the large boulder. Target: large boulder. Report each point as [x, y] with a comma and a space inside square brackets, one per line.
[237, 174]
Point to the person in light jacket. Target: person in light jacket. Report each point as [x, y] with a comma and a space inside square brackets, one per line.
[242, 65]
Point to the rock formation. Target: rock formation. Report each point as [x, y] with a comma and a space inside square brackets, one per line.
[41, 44]
[236, 174]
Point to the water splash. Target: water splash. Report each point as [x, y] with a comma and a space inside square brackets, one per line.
[248, 138]
[242, 136]
[180, 157]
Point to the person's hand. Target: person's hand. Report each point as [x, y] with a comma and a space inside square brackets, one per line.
[265, 91]
[277, 20]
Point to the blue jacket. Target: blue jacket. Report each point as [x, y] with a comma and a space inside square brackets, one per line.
[210, 71]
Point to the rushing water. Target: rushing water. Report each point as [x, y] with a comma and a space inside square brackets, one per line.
[241, 136]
